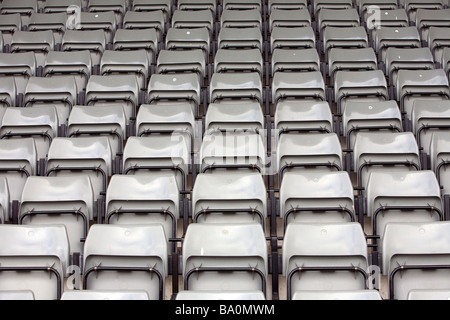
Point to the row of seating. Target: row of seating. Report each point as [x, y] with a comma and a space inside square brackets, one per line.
[219, 260]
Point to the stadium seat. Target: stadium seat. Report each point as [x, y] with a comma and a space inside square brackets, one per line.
[420, 84]
[368, 86]
[347, 295]
[242, 198]
[62, 6]
[420, 252]
[188, 39]
[244, 151]
[332, 5]
[428, 117]
[138, 39]
[225, 257]
[39, 123]
[5, 200]
[150, 5]
[239, 60]
[352, 37]
[67, 201]
[18, 161]
[183, 61]
[23, 7]
[399, 37]
[343, 18]
[189, 19]
[55, 22]
[348, 59]
[293, 116]
[234, 38]
[127, 63]
[287, 5]
[8, 93]
[109, 121]
[9, 24]
[446, 62]
[362, 116]
[402, 197]
[94, 295]
[431, 294]
[119, 7]
[120, 90]
[338, 247]
[126, 258]
[34, 259]
[242, 5]
[238, 86]
[103, 21]
[384, 151]
[21, 66]
[241, 19]
[319, 152]
[92, 156]
[297, 60]
[145, 21]
[39, 42]
[93, 41]
[144, 200]
[62, 92]
[292, 38]
[225, 117]
[156, 154]
[76, 63]
[438, 39]
[426, 18]
[384, 18]
[191, 5]
[312, 197]
[439, 149]
[17, 295]
[220, 295]
[294, 18]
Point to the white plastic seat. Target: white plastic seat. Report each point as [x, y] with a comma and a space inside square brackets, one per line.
[182, 61]
[384, 151]
[287, 5]
[347, 59]
[347, 295]
[229, 198]
[303, 116]
[103, 21]
[399, 37]
[239, 60]
[175, 88]
[55, 22]
[439, 149]
[311, 197]
[41, 42]
[188, 39]
[385, 18]
[129, 257]
[352, 37]
[126, 63]
[288, 60]
[225, 257]
[343, 18]
[428, 117]
[17, 295]
[298, 86]
[144, 199]
[114, 89]
[23, 7]
[359, 85]
[93, 41]
[402, 197]
[8, 93]
[361, 116]
[21, 66]
[431, 294]
[76, 63]
[438, 39]
[5, 200]
[131, 39]
[97, 121]
[183, 19]
[320, 152]
[292, 38]
[18, 161]
[119, 7]
[242, 5]
[295, 18]
[420, 251]
[231, 116]
[241, 19]
[151, 5]
[220, 295]
[156, 154]
[9, 24]
[414, 6]
[62, 92]
[67, 201]
[69, 157]
[145, 20]
[426, 18]
[338, 247]
[236, 86]
[234, 38]
[244, 151]
[34, 259]
[407, 59]
[97, 295]
[166, 119]
[420, 84]
[365, 5]
[40, 123]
